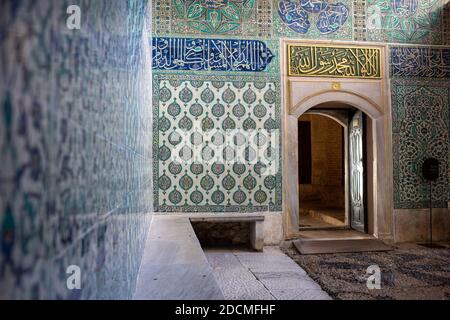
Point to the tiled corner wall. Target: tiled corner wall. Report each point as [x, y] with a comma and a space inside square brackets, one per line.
[77, 135]
[76, 121]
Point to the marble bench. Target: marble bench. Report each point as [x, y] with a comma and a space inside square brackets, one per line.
[174, 266]
[256, 225]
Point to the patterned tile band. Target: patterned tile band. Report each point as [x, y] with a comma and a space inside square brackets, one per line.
[420, 62]
[210, 54]
[325, 61]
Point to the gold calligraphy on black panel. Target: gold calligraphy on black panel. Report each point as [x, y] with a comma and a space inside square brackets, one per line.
[327, 61]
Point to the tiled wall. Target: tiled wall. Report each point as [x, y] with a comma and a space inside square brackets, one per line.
[420, 89]
[406, 21]
[217, 115]
[80, 144]
[211, 27]
[394, 21]
[76, 121]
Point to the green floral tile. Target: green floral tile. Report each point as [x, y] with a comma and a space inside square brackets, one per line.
[201, 126]
[399, 21]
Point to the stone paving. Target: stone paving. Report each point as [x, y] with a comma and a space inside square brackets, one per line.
[409, 271]
[268, 275]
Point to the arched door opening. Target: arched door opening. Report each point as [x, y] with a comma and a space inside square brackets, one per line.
[361, 106]
[333, 172]
[321, 153]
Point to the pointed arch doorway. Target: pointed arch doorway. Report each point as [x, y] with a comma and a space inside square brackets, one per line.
[367, 144]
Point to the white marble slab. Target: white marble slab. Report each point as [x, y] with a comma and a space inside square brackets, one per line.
[174, 266]
[268, 275]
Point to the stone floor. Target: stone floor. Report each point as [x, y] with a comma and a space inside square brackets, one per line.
[268, 275]
[335, 217]
[306, 222]
[331, 234]
[317, 214]
[408, 272]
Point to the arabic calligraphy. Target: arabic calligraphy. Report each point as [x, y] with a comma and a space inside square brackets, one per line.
[210, 54]
[420, 62]
[405, 7]
[340, 62]
[331, 17]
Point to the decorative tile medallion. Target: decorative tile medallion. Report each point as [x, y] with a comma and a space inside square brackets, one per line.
[334, 61]
[210, 54]
[324, 19]
[214, 16]
[420, 130]
[420, 62]
[296, 14]
[405, 21]
[201, 125]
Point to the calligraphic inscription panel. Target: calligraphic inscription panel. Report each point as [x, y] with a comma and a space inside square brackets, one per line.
[324, 19]
[330, 17]
[420, 62]
[210, 54]
[342, 62]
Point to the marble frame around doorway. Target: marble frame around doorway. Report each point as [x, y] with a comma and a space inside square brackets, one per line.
[372, 96]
